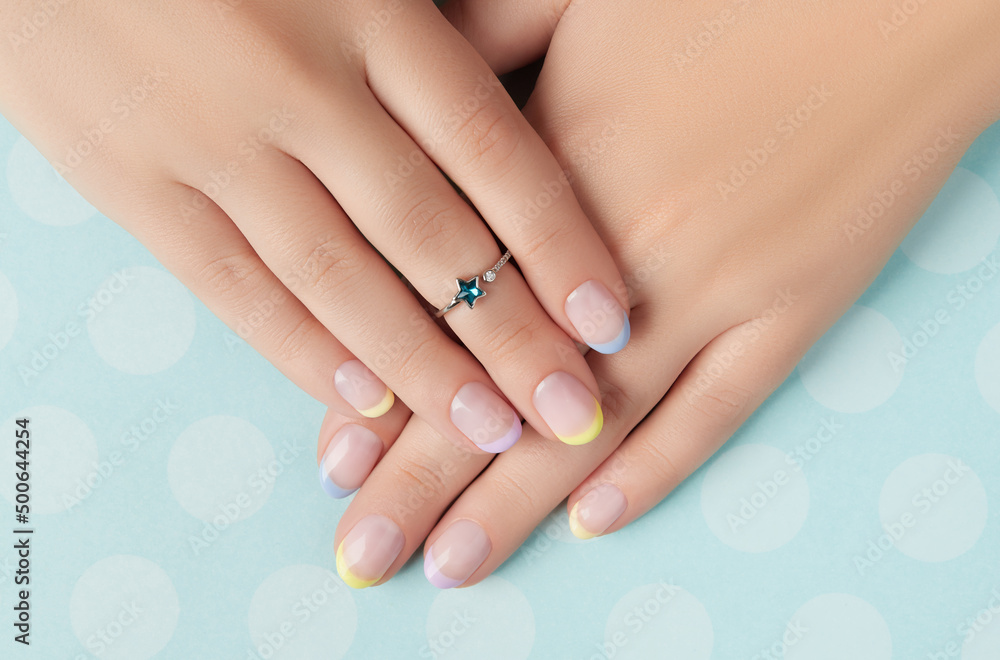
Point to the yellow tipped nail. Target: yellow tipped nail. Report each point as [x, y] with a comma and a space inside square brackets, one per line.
[592, 431]
[349, 578]
[383, 407]
[579, 531]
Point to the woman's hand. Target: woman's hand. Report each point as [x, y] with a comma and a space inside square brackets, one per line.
[749, 189]
[239, 139]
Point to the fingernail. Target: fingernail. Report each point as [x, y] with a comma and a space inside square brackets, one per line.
[368, 551]
[362, 389]
[598, 317]
[456, 554]
[569, 408]
[596, 511]
[350, 456]
[484, 418]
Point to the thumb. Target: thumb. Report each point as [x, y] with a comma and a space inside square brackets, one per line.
[507, 33]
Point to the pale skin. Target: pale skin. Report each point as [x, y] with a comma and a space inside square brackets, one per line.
[257, 148]
[731, 278]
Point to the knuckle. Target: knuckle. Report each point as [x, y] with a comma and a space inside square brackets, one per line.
[655, 456]
[297, 342]
[488, 136]
[718, 400]
[514, 496]
[511, 339]
[231, 274]
[540, 240]
[412, 476]
[412, 360]
[331, 267]
[427, 223]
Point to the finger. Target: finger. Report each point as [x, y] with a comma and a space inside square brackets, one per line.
[431, 235]
[348, 448]
[714, 395]
[400, 502]
[508, 34]
[220, 267]
[302, 234]
[462, 118]
[513, 495]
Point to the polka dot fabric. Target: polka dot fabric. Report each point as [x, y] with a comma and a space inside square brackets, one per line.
[177, 514]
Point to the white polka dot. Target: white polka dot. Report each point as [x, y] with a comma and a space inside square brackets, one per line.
[838, 626]
[64, 461]
[982, 631]
[222, 469]
[658, 620]
[492, 619]
[301, 612]
[39, 190]
[988, 367]
[8, 310]
[960, 228]
[850, 368]
[933, 507]
[754, 499]
[141, 320]
[124, 607]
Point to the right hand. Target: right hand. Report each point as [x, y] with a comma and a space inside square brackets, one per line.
[238, 140]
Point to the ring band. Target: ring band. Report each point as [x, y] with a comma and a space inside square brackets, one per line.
[469, 291]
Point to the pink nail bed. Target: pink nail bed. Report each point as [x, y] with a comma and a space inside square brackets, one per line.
[568, 408]
[456, 554]
[599, 318]
[480, 414]
[597, 510]
[362, 389]
[368, 551]
[349, 458]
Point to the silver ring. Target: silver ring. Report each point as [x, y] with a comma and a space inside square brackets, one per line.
[469, 291]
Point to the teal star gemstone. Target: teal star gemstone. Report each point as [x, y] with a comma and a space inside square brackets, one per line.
[469, 291]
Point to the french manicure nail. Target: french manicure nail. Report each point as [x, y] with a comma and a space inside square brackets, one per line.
[479, 413]
[598, 317]
[362, 389]
[350, 456]
[569, 408]
[368, 551]
[596, 511]
[456, 554]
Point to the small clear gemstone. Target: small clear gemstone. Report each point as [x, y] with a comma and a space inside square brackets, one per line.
[489, 276]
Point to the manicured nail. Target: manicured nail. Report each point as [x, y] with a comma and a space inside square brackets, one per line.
[456, 554]
[350, 456]
[594, 512]
[368, 551]
[362, 389]
[569, 408]
[598, 317]
[484, 418]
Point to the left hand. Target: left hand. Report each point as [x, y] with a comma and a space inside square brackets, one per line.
[728, 195]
